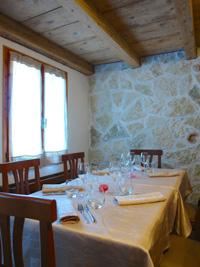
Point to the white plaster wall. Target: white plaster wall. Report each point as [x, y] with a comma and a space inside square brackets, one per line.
[78, 106]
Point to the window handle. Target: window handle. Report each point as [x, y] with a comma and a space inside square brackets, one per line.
[44, 123]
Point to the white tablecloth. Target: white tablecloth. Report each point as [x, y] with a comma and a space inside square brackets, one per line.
[133, 235]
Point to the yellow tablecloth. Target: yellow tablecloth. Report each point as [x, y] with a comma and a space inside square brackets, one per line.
[133, 235]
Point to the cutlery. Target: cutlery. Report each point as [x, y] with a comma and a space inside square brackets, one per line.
[90, 214]
[80, 208]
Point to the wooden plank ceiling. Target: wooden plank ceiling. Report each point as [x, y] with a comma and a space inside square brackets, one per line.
[84, 33]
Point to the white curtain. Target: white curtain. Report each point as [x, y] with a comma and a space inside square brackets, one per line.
[25, 112]
[25, 120]
[55, 114]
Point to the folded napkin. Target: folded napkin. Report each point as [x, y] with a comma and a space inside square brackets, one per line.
[54, 188]
[166, 174]
[100, 173]
[139, 199]
[67, 214]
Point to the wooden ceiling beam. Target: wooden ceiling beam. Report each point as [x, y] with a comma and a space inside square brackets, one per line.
[184, 14]
[88, 14]
[19, 33]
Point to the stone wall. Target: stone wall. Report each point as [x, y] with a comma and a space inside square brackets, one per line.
[155, 106]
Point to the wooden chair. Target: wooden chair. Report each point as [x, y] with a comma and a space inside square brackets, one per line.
[183, 252]
[151, 152]
[20, 170]
[70, 162]
[22, 207]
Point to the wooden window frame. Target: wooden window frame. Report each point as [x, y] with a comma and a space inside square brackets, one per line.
[7, 99]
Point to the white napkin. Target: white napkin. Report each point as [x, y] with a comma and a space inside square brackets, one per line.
[139, 199]
[67, 213]
[55, 188]
[166, 174]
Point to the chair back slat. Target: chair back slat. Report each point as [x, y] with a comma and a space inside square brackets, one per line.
[20, 170]
[26, 181]
[37, 177]
[16, 178]
[151, 152]
[70, 162]
[21, 182]
[17, 241]
[21, 207]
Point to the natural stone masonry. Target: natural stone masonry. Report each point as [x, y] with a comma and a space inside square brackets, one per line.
[155, 106]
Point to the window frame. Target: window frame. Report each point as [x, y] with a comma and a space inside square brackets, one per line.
[7, 99]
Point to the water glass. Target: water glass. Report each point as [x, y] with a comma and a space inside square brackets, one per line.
[125, 186]
[72, 188]
[96, 198]
[116, 175]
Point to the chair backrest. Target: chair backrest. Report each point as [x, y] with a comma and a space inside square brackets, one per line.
[22, 207]
[70, 162]
[151, 152]
[20, 170]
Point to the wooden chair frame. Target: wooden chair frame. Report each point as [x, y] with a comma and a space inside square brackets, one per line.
[151, 152]
[22, 207]
[20, 170]
[70, 162]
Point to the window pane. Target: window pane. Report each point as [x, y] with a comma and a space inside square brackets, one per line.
[55, 112]
[25, 116]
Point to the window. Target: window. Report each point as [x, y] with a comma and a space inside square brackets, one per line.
[35, 110]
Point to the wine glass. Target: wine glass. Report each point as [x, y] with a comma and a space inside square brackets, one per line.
[144, 159]
[82, 172]
[91, 178]
[132, 158]
[113, 166]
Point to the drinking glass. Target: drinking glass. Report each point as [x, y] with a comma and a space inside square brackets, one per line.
[149, 169]
[95, 172]
[132, 159]
[113, 166]
[83, 169]
[115, 175]
[72, 189]
[125, 186]
[91, 179]
[144, 159]
[96, 198]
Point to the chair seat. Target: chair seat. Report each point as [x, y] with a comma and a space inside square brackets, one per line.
[183, 252]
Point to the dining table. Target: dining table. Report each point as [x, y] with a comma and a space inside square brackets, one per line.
[128, 235]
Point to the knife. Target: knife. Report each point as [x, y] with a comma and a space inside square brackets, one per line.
[90, 214]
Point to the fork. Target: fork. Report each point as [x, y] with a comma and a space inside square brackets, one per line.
[80, 208]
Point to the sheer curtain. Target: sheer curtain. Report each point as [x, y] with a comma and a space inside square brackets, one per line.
[55, 114]
[26, 138]
[25, 109]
